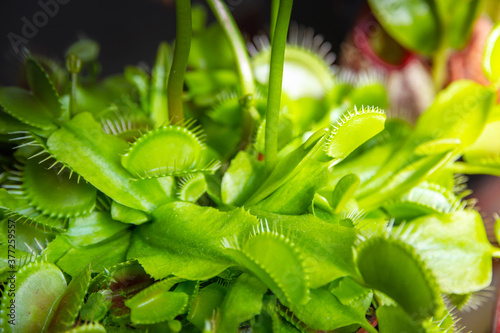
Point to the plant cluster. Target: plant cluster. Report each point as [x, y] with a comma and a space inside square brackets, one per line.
[273, 194]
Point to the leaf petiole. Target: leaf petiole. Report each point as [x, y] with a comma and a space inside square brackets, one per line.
[73, 65]
[274, 16]
[275, 82]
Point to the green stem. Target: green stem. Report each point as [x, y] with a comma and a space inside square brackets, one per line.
[275, 83]
[233, 34]
[72, 100]
[274, 17]
[74, 66]
[439, 67]
[179, 62]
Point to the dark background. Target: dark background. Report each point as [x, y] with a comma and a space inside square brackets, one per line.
[129, 30]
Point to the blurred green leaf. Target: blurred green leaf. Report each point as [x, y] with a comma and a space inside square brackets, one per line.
[414, 23]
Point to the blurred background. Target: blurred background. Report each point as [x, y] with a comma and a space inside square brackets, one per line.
[129, 32]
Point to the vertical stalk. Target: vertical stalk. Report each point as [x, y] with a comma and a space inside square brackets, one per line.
[439, 67]
[274, 16]
[74, 66]
[275, 83]
[180, 60]
[72, 100]
[235, 39]
[243, 64]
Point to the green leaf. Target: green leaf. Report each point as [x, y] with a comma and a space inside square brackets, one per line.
[126, 214]
[365, 166]
[25, 107]
[38, 286]
[205, 84]
[159, 79]
[241, 179]
[9, 124]
[56, 249]
[343, 192]
[402, 181]
[176, 243]
[353, 129]
[192, 187]
[166, 151]
[394, 268]
[438, 146]
[140, 79]
[461, 16]
[70, 303]
[94, 155]
[351, 294]
[42, 88]
[324, 312]
[96, 307]
[372, 93]
[208, 301]
[243, 301]
[395, 319]
[98, 97]
[214, 188]
[486, 150]
[228, 109]
[54, 194]
[276, 261]
[469, 169]
[272, 321]
[18, 209]
[459, 112]
[288, 166]
[327, 248]
[422, 200]
[191, 289]
[92, 229]
[456, 248]
[297, 193]
[491, 62]
[98, 256]
[87, 328]
[156, 303]
[414, 24]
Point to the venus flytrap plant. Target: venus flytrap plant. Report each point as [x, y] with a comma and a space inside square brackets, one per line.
[126, 222]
